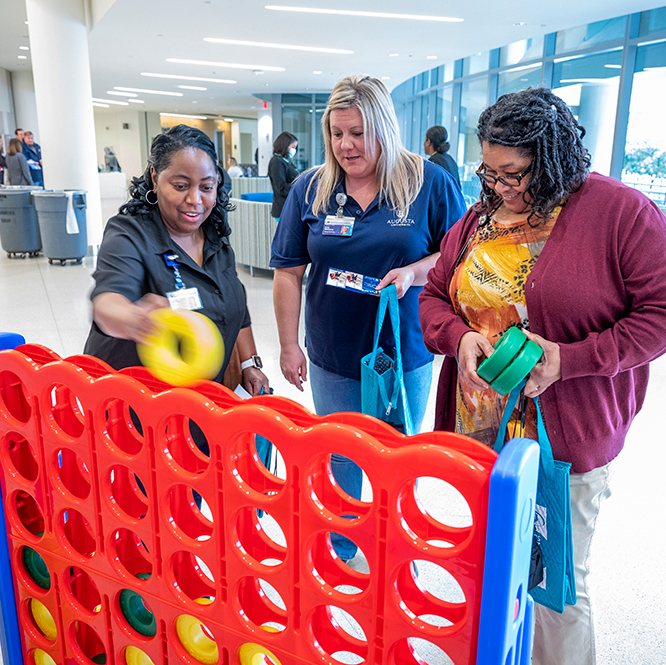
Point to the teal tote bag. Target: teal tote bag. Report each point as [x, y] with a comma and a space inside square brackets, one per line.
[552, 521]
[383, 393]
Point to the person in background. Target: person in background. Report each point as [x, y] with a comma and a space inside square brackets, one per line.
[111, 164]
[172, 235]
[436, 146]
[3, 163]
[396, 208]
[33, 153]
[576, 258]
[234, 170]
[19, 134]
[18, 171]
[281, 170]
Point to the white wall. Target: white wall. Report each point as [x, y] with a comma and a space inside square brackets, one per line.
[7, 120]
[125, 143]
[25, 105]
[265, 139]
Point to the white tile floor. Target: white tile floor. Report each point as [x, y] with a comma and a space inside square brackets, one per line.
[49, 305]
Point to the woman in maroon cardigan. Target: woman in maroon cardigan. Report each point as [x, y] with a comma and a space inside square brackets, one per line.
[578, 260]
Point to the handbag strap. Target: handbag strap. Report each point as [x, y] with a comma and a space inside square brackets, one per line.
[388, 298]
[547, 460]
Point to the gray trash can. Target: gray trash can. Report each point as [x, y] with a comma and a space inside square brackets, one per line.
[62, 241]
[19, 231]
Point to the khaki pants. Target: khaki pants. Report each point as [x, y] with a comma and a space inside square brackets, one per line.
[568, 639]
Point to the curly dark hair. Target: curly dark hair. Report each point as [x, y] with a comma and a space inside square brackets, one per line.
[162, 150]
[540, 125]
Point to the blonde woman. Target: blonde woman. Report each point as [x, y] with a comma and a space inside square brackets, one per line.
[395, 210]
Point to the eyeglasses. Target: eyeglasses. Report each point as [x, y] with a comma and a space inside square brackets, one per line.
[508, 180]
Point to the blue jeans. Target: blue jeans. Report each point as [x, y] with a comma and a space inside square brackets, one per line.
[332, 393]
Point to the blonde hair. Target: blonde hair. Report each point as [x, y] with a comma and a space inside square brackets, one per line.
[398, 171]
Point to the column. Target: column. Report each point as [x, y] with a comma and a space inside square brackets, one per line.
[63, 92]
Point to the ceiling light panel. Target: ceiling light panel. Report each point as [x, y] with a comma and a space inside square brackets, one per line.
[187, 78]
[120, 94]
[149, 92]
[289, 47]
[184, 115]
[350, 12]
[109, 101]
[230, 65]
[191, 87]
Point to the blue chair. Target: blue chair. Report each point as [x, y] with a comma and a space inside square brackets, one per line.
[258, 197]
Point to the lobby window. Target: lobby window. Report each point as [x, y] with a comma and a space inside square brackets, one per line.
[519, 78]
[479, 62]
[644, 165]
[522, 51]
[444, 108]
[473, 101]
[298, 121]
[589, 86]
[653, 21]
[593, 34]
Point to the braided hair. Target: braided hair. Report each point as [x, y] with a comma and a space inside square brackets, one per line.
[162, 150]
[540, 125]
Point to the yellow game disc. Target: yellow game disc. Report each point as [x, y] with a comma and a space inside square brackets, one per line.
[192, 636]
[134, 656]
[251, 653]
[186, 347]
[42, 658]
[43, 620]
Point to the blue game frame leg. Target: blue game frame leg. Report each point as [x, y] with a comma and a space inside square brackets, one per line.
[10, 639]
[507, 611]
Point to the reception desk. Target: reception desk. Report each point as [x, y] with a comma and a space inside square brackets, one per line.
[252, 231]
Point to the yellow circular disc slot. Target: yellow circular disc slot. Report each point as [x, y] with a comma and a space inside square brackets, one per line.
[191, 634]
[254, 654]
[134, 656]
[185, 348]
[42, 658]
[43, 620]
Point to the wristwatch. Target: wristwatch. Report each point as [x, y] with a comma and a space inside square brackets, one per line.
[254, 361]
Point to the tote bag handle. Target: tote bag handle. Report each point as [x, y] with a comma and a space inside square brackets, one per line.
[544, 442]
[388, 298]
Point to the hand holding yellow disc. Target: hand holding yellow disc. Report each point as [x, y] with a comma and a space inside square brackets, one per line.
[185, 348]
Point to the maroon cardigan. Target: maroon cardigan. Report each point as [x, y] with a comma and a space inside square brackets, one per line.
[599, 290]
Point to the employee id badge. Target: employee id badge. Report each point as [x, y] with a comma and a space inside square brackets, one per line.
[184, 299]
[338, 226]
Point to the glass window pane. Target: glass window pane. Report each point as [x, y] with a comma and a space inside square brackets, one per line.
[590, 86]
[322, 98]
[291, 98]
[519, 79]
[479, 62]
[298, 121]
[525, 49]
[319, 137]
[425, 123]
[645, 150]
[653, 21]
[444, 107]
[448, 72]
[474, 99]
[592, 34]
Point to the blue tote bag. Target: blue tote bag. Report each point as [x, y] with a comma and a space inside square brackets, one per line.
[383, 393]
[552, 521]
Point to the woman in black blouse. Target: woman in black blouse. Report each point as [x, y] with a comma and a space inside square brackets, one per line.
[281, 171]
[170, 236]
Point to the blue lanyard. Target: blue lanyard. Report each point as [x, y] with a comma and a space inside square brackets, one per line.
[170, 260]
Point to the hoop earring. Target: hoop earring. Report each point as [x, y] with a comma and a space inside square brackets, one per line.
[147, 197]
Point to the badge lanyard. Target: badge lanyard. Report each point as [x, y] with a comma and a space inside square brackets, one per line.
[338, 224]
[182, 297]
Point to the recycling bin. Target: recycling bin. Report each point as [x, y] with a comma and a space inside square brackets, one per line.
[19, 231]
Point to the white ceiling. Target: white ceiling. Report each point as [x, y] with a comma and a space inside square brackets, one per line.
[137, 36]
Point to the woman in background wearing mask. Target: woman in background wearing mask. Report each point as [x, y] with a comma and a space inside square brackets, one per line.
[281, 171]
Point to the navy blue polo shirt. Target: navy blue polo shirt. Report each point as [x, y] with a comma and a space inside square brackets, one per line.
[339, 324]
